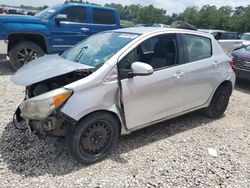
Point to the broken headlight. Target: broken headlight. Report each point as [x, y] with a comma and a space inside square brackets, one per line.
[42, 106]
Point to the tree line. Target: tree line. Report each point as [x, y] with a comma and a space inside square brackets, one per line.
[206, 17]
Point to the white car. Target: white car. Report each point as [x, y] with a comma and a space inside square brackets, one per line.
[229, 41]
[120, 81]
[246, 39]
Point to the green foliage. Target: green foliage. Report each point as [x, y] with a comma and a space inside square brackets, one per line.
[140, 14]
[126, 23]
[211, 17]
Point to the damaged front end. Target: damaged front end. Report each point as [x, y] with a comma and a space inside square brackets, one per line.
[40, 110]
[44, 79]
[41, 113]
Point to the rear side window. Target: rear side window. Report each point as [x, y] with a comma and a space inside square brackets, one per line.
[198, 47]
[76, 14]
[101, 16]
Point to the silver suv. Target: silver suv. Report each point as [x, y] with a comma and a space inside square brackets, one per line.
[120, 81]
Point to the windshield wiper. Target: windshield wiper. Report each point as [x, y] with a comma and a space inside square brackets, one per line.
[81, 53]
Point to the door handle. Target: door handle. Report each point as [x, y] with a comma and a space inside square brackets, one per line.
[215, 63]
[84, 29]
[179, 74]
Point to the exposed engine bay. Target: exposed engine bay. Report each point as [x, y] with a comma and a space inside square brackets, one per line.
[57, 123]
[56, 82]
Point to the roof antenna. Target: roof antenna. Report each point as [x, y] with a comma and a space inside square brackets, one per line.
[66, 2]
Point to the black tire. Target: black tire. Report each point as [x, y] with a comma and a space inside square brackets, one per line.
[93, 137]
[219, 102]
[24, 52]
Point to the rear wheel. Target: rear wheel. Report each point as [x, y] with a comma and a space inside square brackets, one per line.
[93, 137]
[219, 102]
[24, 52]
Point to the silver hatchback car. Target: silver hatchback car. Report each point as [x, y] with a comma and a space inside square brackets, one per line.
[120, 81]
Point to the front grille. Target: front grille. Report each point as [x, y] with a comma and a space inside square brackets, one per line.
[241, 64]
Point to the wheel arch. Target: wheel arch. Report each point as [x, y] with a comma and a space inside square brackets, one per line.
[227, 83]
[111, 112]
[37, 38]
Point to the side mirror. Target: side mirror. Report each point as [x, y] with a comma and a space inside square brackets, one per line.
[60, 18]
[141, 69]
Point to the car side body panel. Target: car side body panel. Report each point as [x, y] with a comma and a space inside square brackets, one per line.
[103, 91]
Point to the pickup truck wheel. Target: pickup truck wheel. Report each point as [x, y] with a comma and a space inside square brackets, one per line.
[24, 52]
[219, 102]
[93, 137]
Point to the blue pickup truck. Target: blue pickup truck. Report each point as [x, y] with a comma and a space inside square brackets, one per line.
[53, 30]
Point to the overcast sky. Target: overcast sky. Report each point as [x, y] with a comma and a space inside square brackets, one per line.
[169, 5]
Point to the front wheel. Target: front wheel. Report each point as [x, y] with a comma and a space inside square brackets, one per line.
[93, 137]
[24, 52]
[219, 102]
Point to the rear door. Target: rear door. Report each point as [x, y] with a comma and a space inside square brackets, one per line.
[201, 70]
[67, 33]
[102, 19]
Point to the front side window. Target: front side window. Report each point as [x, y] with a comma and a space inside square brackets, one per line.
[101, 16]
[160, 51]
[76, 14]
[198, 47]
[97, 49]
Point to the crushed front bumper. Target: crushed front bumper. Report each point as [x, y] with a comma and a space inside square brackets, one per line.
[3, 49]
[55, 125]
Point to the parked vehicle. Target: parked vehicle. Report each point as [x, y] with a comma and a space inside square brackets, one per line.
[160, 25]
[143, 25]
[229, 41]
[182, 25]
[2, 10]
[116, 82]
[246, 36]
[14, 11]
[53, 30]
[30, 12]
[242, 62]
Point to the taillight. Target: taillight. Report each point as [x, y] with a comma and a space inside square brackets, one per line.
[232, 63]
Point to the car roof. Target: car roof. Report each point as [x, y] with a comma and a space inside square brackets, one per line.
[149, 30]
[86, 5]
[246, 33]
[211, 30]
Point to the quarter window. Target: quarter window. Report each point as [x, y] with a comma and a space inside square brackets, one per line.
[198, 47]
[101, 16]
[76, 14]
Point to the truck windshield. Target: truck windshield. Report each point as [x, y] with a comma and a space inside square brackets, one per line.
[44, 14]
[97, 49]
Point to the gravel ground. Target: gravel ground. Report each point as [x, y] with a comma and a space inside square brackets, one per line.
[172, 153]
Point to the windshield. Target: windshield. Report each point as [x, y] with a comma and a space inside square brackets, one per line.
[245, 37]
[97, 49]
[44, 14]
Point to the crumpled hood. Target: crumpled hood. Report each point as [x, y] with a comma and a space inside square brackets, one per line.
[44, 68]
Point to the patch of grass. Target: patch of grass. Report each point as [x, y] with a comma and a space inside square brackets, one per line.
[126, 23]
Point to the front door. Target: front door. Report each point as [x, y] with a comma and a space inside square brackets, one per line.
[150, 98]
[67, 33]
